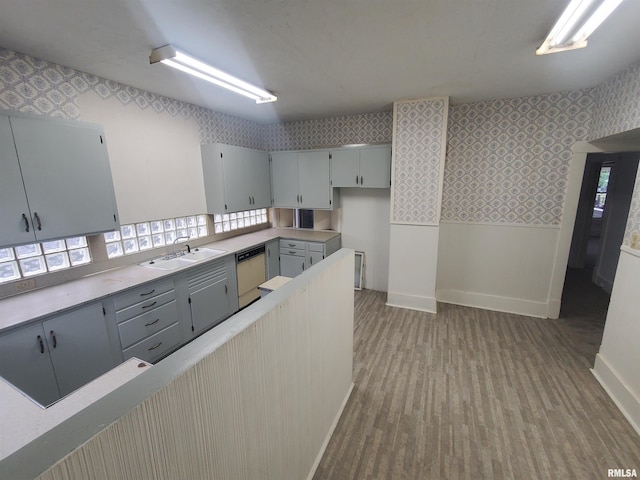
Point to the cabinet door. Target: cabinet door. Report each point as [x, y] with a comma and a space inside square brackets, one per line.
[25, 362]
[209, 305]
[238, 175]
[345, 167]
[284, 179]
[79, 346]
[259, 179]
[313, 174]
[213, 177]
[315, 257]
[375, 167]
[66, 174]
[291, 265]
[272, 253]
[15, 217]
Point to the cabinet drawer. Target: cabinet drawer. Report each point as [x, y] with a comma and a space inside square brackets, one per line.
[145, 306]
[293, 251]
[152, 348]
[316, 247]
[284, 243]
[141, 294]
[140, 327]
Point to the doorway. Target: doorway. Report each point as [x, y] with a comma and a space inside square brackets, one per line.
[601, 217]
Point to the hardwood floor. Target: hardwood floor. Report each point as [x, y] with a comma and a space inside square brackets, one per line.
[474, 394]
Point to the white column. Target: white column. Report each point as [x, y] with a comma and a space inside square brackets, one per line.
[419, 149]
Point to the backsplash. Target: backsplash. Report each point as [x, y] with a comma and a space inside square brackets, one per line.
[508, 160]
[32, 85]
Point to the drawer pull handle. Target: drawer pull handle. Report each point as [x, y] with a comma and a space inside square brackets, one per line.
[292, 244]
[150, 305]
[292, 252]
[26, 222]
[152, 323]
[148, 293]
[155, 346]
[41, 344]
[55, 340]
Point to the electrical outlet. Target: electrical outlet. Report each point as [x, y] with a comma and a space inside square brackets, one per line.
[635, 241]
[27, 284]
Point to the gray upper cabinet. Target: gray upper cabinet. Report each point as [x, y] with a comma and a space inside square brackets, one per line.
[65, 178]
[362, 167]
[302, 180]
[236, 178]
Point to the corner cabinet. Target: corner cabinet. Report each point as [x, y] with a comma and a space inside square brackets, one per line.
[235, 178]
[361, 167]
[55, 180]
[50, 359]
[301, 179]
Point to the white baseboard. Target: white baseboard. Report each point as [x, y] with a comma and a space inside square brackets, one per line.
[412, 302]
[493, 302]
[314, 467]
[622, 396]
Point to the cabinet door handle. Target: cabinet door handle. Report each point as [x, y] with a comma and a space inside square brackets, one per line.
[311, 260]
[356, 179]
[361, 180]
[35, 214]
[301, 198]
[303, 266]
[53, 337]
[155, 346]
[148, 293]
[249, 199]
[150, 305]
[298, 198]
[268, 252]
[226, 290]
[41, 344]
[152, 323]
[26, 222]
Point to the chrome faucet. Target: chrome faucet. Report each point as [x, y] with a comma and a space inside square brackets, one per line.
[174, 254]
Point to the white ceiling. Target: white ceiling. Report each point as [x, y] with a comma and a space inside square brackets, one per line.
[323, 57]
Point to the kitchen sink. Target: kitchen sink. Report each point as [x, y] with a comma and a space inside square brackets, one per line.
[202, 254]
[197, 254]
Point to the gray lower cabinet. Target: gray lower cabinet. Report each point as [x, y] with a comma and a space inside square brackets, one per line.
[147, 319]
[50, 359]
[272, 260]
[211, 296]
[296, 255]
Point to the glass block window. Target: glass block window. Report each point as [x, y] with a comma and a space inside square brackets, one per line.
[153, 234]
[39, 258]
[234, 221]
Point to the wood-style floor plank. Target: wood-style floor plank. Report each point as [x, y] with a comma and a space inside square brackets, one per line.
[474, 394]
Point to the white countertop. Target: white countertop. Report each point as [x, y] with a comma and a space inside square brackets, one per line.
[47, 301]
[23, 420]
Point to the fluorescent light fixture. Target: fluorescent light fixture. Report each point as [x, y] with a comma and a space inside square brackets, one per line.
[577, 22]
[173, 57]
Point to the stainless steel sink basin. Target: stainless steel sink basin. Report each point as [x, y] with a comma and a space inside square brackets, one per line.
[196, 255]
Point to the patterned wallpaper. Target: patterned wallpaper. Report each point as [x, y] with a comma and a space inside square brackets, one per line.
[418, 156]
[508, 160]
[617, 104]
[329, 132]
[35, 86]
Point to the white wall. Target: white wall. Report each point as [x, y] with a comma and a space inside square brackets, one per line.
[496, 266]
[617, 362]
[413, 261]
[365, 227]
[155, 159]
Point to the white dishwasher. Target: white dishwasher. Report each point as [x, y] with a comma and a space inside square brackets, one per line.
[251, 273]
